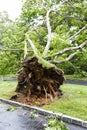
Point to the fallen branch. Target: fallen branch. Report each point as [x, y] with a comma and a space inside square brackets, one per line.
[32, 45]
[49, 33]
[25, 50]
[68, 49]
[52, 9]
[67, 59]
[72, 38]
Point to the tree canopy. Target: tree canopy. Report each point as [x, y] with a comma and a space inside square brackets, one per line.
[55, 30]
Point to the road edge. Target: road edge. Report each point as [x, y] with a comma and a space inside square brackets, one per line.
[60, 116]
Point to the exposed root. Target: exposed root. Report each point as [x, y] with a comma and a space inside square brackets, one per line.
[39, 82]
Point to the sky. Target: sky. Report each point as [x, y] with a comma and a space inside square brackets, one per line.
[13, 7]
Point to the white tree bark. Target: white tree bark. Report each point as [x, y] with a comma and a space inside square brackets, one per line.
[53, 8]
[25, 50]
[67, 59]
[43, 1]
[72, 38]
[69, 49]
[37, 2]
[50, 1]
[49, 33]
[32, 45]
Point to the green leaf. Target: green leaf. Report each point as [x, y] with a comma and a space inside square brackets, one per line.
[11, 108]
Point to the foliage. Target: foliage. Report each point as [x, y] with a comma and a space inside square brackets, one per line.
[68, 68]
[33, 115]
[9, 63]
[9, 60]
[54, 124]
[11, 108]
[65, 23]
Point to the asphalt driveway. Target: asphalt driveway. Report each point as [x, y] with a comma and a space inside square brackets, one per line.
[19, 119]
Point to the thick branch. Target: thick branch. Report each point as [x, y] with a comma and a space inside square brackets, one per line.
[69, 49]
[53, 8]
[71, 56]
[37, 2]
[49, 33]
[32, 45]
[67, 59]
[43, 1]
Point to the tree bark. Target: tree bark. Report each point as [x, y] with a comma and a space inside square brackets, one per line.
[32, 45]
[53, 8]
[72, 38]
[66, 59]
[69, 49]
[25, 50]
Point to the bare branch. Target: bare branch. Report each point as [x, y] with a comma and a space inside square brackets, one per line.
[37, 2]
[76, 34]
[32, 45]
[43, 1]
[67, 59]
[49, 33]
[57, 62]
[53, 8]
[71, 56]
[68, 49]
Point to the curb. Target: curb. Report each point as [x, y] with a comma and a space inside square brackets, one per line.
[60, 116]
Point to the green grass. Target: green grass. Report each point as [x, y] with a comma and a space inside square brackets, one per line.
[7, 89]
[71, 77]
[8, 75]
[72, 103]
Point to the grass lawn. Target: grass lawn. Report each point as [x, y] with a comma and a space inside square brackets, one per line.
[72, 103]
[7, 89]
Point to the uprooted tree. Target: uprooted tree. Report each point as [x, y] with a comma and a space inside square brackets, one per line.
[36, 80]
[39, 78]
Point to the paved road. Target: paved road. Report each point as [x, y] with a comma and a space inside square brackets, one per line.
[19, 119]
[75, 127]
[79, 82]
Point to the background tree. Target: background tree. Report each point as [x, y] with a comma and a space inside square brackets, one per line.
[10, 50]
